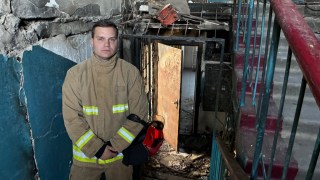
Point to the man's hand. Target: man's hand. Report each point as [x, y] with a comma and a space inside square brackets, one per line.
[109, 152]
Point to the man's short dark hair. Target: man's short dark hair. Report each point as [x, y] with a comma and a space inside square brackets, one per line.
[104, 23]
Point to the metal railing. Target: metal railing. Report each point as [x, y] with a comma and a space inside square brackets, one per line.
[305, 47]
[222, 161]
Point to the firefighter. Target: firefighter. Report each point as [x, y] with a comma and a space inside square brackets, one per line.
[98, 94]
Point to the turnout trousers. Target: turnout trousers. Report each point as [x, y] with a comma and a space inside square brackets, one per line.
[113, 171]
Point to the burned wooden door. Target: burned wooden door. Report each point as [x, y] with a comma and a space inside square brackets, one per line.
[169, 85]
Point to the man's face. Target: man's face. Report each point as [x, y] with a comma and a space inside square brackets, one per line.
[104, 42]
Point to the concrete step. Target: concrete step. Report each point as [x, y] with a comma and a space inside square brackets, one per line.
[282, 61]
[295, 75]
[248, 115]
[245, 148]
[243, 22]
[305, 140]
[239, 60]
[294, 81]
[309, 123]
[310, 111]
[293, 89]
[242, 43]
[250, 83]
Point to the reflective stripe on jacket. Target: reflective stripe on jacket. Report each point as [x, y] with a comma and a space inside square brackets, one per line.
[80, 156]
[97, 98]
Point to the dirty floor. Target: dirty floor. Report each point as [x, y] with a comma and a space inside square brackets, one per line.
[191, 162]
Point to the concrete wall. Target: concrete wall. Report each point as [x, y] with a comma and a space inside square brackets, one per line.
[34, 141]
[62, 27]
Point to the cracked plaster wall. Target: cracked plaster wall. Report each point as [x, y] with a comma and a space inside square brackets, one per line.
[33, 140]
[62, 27]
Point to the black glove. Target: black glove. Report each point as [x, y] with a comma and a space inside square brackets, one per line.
[136, 153]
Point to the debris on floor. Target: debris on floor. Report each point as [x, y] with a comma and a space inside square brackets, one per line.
[191, 162]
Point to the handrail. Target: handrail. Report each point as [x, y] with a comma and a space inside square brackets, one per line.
[303, 42]
[236, 171]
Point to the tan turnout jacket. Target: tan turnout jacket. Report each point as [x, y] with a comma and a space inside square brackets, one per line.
[97, 97]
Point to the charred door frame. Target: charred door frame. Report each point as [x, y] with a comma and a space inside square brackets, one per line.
[200, 42]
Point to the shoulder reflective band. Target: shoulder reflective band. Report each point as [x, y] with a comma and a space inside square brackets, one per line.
[84, 139]
[119, 108]
[90, 110]
[80, 156]
[126, 135]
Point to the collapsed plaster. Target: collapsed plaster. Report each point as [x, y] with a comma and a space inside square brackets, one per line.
[56, 25]
[5, 7]
[75, 48]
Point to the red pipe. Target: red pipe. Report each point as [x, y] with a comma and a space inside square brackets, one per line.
[302, 40]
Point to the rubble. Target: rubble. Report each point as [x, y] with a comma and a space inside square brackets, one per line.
[169, 164]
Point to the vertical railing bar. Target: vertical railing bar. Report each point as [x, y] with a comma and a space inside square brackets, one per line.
[212, 158]
[243, 14]
[264, 65]
[215, 160]
[247, 50]
[246, 20]
[263, 167]
[219, 164]
[314, 158]
[238, 25]
[213, 163]
[254, 45]
[266, 98]
[259, 54]
[294, 128]
[282, 100]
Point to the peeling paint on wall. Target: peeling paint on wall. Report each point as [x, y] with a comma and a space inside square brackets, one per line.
[34, 142]
[17, 161]
[26, 23]
[44, 73]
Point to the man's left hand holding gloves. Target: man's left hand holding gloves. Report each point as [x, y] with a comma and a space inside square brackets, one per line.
[106, 152]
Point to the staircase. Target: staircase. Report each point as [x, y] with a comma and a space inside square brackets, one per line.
[309, 120]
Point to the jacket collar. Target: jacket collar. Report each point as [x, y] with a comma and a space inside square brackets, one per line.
[104, 65]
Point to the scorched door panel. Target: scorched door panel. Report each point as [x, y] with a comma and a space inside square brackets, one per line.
[169, 83]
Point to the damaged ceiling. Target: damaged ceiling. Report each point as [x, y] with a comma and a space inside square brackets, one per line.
[63, 27]
[51, 24]
[175, 15]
